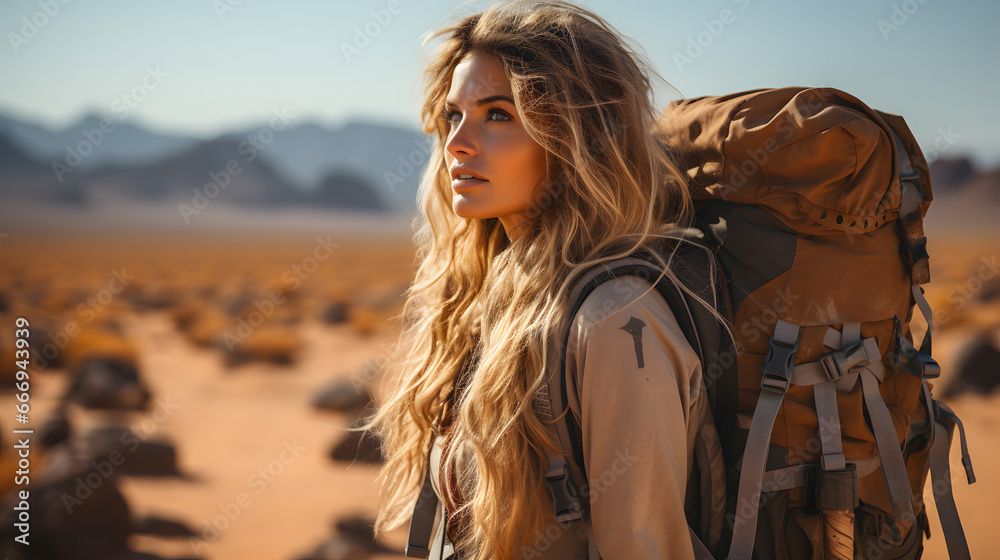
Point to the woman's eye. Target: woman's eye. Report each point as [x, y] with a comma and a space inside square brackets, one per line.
[449, 116]
[498, 111]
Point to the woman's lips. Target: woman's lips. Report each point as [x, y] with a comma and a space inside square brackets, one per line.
[466, 183]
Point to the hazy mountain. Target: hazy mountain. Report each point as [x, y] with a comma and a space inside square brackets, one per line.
[346, 190]
[212, 170]
[303, 154]
[389, 158]
[22, 177]
[89, 143]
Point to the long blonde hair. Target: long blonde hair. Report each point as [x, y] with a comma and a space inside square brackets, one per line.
[479, 301]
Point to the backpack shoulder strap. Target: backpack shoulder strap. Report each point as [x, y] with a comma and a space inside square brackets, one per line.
[566, 475]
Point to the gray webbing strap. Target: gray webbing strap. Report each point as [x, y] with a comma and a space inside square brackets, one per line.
[834, 339]
[795, 476]
[592, 553]
[786, 478]
[888, 445]
[775, 379]
[915, 362]
[851, 335]
[944, 499]
[841, 366]
[951, 524]
[949, 417]
[700, 550]
[828, 423]
[422, 522]
[827, 412]
[447, 547]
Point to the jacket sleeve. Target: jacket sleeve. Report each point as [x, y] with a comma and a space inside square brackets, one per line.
[631, 376]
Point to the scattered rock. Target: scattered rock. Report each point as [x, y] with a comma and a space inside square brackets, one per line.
[271, 344]
[152, 525]
[72, 519]
[353, 539]
[358, 446]
[977, 367]
[55, 430]
[108, 383]
[342, 396]
[990, 291]
[335, 313]
[140, 458]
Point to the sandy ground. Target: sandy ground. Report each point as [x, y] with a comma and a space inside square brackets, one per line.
[247, 430]
[229, 424]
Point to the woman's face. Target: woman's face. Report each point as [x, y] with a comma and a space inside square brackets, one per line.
[486, 138]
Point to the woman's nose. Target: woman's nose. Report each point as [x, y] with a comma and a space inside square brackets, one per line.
[462, 140]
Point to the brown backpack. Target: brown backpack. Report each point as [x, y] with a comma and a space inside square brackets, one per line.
[816, 205]
[810, 208]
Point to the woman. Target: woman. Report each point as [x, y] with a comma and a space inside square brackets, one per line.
[545, 162]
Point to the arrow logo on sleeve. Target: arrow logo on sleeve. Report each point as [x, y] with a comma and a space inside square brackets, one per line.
[634, 328]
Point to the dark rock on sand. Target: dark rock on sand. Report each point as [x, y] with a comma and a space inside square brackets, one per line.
[342, 396]
[358, 446]
[152, 525]
[335, 313]
[138, 457]
[977, 367]
[108, 383]
[353, 539]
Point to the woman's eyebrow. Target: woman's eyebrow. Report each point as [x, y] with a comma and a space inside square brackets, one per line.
[485, 100]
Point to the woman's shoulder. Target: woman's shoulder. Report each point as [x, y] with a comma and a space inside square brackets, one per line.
[623, 315]
[619, 299]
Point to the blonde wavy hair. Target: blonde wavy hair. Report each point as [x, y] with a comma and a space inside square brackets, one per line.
[483, 304]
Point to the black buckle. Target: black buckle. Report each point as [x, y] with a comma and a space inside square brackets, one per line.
[414, 551]
[918, 364]
[913, 251]
[836, 489]
[564, 497]
[776, 375]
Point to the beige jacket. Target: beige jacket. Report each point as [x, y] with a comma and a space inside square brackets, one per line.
[632, 402]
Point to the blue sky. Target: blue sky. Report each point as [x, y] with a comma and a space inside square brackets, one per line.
[222, 65]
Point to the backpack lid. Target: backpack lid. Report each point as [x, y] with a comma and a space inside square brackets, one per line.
[817, 158]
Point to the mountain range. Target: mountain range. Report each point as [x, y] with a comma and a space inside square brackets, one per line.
[281, 163]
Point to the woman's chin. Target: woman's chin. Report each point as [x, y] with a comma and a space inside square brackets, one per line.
[465, 208]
